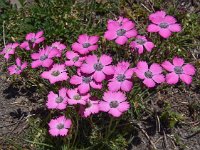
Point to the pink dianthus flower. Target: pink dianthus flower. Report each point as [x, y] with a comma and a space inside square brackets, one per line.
[76, 98]
[18, 68]
[114, 103]
[120, 32]
[9, 50]
[43, 57]
[25, 45]
[85, 44]
[140, 43]
[151, 75]
[59, 126]
[178, 70]
[122, 78]
[57, 101]
[163, 24]
[84, 83]
[74, 59]
[99, 68]
[35, 38]
[56, 74]
[91, 107]
[59, 46]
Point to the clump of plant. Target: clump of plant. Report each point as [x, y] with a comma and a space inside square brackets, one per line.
[85, 80]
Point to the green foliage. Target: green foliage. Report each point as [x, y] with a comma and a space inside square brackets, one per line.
[169, 117]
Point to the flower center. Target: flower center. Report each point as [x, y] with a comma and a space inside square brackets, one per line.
[121, 77]
[55, 73]
[77, 97]
[33, 40]
[42, 58]
[60, 126]
[86, 45]
[86, 79]
[114, 104]
[163, 25]
[75, 58]
[59, 99]
[121, 32]
[178, 70]
[148, 74]
[98, 66]
[18, 68]
[8, 50]
[140, 41]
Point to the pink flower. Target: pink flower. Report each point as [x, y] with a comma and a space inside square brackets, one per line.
[57, 101]
[122, 78]
[18, 68]
[85, 44]
[84, 83]
[74, 59]
[59, 126]
[91, 107]
[25, 45]
[43, 58]
[9, 50]
[114, 103]
[178, 70]
[121, 20]
[151, 75]
[140, 43]
[56, 74]
[163, 24]
[76, 98]
[98, 67]
[120, 32]
[59, 46]
[35, 38]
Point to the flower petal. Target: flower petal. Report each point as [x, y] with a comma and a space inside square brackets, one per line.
[142, 66]
[186, 78]
[153, 28]
[128, 25]
[83, 38]
[121, 40]
[115, 112]
[159, 78]
[175, 27]
[124, 106]
[93, 39]
[99, 76]
[172, 78]
[131, 33]
[169, 19]
[83, 88]
[149, 46]
[76, 80]
[165, 33]
[155, 68]
[189, 69]
[149, 83]
[167, 66]
[105, 60]
[126, 86]
[104, 106]
[110, 35]
[114, 86]
[178, 61]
